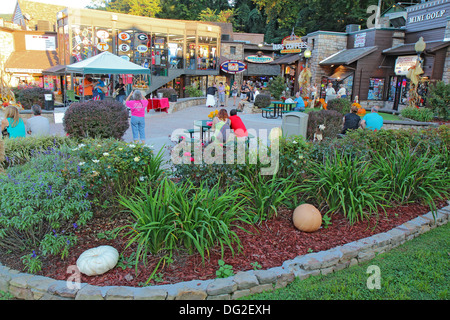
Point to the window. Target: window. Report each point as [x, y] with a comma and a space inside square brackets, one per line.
[376, 89]
[232, 50]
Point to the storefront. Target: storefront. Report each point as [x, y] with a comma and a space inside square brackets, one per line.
[169, 48]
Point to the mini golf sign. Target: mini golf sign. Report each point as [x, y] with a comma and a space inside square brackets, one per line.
[233, 66]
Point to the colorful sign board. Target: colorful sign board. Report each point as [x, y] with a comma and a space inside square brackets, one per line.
[259, 59]
[124, 36]
[403, 63]
[102, 46]
[233, 66]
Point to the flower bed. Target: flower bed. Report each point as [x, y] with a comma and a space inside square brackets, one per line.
[202, 224]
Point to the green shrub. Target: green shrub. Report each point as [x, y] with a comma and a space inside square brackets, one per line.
[418, 114]
[109, 166]
[330, 118]
[31, 96]
[37, 201]
[262, 100]
[171, 216]
[340, 105]
[439, 99]
[193, 92]
[96, 119]
[294, 153]
[413, 176]
[20, 151]
[346, 185]
[276, 87]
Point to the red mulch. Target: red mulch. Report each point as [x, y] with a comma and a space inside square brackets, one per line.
[271, 243]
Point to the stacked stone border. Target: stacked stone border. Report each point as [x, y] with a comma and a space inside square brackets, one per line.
[34, 287]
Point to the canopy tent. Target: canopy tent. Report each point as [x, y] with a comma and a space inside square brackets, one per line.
[106, 63]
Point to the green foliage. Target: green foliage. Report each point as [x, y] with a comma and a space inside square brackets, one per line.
[294, 153]
[276, 87]
[36, 199]
[330, 118]
[225, 270]
[262, 100]
[413, 176]
[32, 262]
[340, 105]
[20, 151]
[31, 96]
[418, 114]
[439, 99]
[193, 92]
[173, 216]
[346, 185]
[96, 119]
[110, 166]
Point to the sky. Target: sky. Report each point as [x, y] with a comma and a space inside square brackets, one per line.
[7, 6]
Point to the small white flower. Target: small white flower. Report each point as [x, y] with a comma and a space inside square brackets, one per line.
[95, 173]
[105, 154]
[300, 157]
[294, 142]
[136, 159]
[99, 145]
[142, 178]
[81, 145]
[322, 127]
[120, 149]
[132, 145]
[81, 163]
[95, 160]
[75, 149]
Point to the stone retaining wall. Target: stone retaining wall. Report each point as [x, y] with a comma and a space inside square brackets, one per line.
[184, 103]
[33, 287]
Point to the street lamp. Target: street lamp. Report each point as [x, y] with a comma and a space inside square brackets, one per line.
[307, 55]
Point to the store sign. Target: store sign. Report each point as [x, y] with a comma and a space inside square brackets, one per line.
[233, 66]
[402, 64]
[142, 48]
[360, 40]
[124, 47]
[124, 36]
[102, 46]
[427, 17]
[291, 44]
[142, 37]
[259, 59]
[102, 34]
[40, 43]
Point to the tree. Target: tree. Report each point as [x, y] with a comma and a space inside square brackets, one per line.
[145, 8]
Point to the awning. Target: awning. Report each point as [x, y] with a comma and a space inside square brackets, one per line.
[408, 49]
[31, 62]
[288, 59]
[347, 56]
[341, 73]
[56, 70]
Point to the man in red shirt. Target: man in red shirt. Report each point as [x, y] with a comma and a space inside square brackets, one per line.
[237, 125]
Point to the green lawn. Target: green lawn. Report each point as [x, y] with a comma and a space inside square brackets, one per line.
[417, 270]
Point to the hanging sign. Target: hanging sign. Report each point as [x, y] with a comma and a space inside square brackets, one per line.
[102, 46]
[142, 37]
[142, 48]
[233, 66]
[124, 36]
[102, 34]
[124, 47]
[259, 59]
[403, 63]
[291, 44]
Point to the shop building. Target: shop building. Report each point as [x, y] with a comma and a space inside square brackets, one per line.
[372, 64]
[177, 52]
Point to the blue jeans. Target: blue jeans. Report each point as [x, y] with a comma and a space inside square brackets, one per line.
[138, 128]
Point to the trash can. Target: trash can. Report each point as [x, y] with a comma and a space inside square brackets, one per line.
[295, 124]
[173, 98]
[49, 104]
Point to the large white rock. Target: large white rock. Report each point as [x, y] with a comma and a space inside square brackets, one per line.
[97, 260]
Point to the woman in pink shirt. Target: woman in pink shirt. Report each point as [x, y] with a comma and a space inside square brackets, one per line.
[137, 105]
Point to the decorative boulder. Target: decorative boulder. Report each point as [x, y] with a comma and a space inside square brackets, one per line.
[97, 260]
[307, 218]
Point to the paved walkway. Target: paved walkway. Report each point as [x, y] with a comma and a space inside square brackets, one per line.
[159, 126]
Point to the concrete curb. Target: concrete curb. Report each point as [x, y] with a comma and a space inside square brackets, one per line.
[33, 287]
